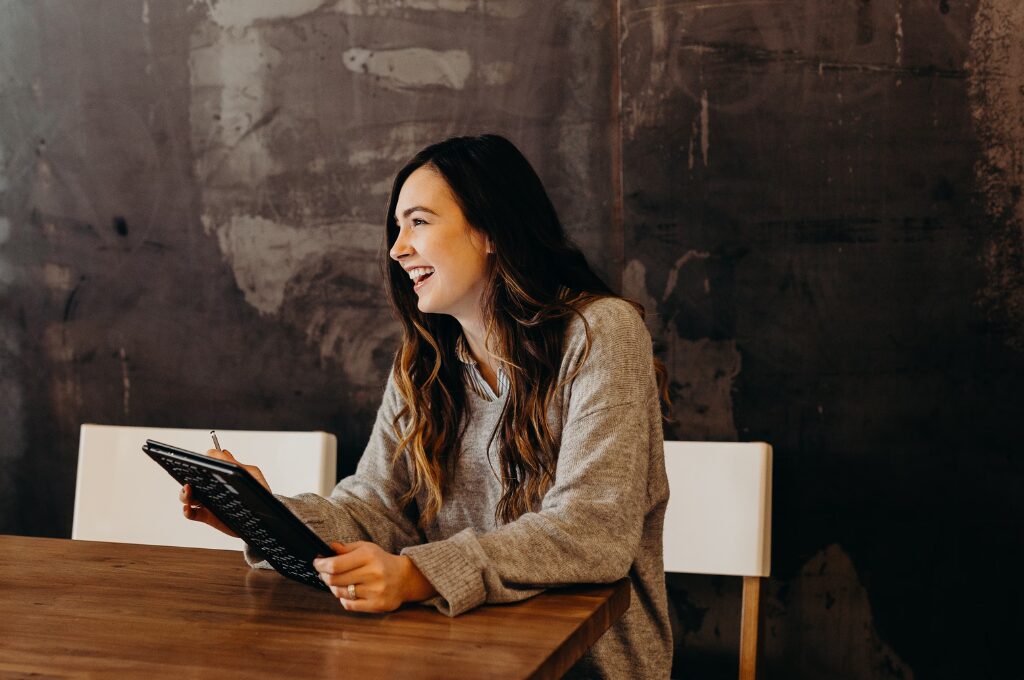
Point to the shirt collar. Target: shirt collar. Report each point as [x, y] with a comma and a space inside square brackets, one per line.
[462, 351]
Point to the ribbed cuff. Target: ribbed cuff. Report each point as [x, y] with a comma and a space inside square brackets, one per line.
[451, 570]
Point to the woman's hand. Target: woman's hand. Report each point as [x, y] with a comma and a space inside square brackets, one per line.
[382, 581]
[194, 510]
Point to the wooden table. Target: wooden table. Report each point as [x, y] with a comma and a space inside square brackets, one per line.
[75, 609]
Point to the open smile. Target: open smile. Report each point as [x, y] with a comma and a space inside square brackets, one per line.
[419, 276]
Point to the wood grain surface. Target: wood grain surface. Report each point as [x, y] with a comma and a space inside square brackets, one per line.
[85, 609]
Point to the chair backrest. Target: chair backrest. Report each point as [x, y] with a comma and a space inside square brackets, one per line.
[719, 512]
[122, 496]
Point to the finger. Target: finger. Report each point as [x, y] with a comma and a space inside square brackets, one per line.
[361, 576]
[336, 547]
[368, 606]
[355, 605]
[201, 514]
[345, 548]
[198, 513]
[221, 454]
[340, 563]
[186, 497]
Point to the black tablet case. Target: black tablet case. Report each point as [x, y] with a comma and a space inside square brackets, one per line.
[252, 512]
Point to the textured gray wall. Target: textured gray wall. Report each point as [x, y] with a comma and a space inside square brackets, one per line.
[820, 202]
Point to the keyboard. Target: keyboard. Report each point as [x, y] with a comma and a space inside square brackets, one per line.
[248, 509]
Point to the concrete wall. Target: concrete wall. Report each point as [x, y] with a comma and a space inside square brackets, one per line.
[820, 202]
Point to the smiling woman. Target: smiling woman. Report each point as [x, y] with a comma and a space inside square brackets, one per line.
[436, 244]
[519, 443]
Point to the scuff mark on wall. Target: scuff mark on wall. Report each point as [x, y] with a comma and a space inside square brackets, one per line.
[705, 127]
[502, 9]
[12, 414]
[996, 74]
[899, 33]
[497, 72]
[700, 133]
[126, 384]
[6, 269]
[411, 67]
[3, 169]
[574, 140]
[401, 142]
[57, 278]
[704, 371]
[65, 386]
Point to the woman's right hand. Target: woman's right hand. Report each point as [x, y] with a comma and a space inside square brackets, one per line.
[195, 511]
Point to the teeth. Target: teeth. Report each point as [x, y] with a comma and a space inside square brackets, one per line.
[420, 271]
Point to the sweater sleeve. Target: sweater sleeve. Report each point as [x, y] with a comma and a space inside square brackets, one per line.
[366, 505]
[589, 525]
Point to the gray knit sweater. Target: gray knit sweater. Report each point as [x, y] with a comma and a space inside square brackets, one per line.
[600, 521]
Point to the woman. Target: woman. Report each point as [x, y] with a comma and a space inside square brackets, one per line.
[519, 444]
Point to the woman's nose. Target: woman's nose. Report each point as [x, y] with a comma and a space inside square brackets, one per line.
[401, 247]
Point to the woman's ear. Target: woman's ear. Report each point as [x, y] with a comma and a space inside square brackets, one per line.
[490, 245]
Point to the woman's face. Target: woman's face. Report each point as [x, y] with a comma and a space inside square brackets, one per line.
[445, 256]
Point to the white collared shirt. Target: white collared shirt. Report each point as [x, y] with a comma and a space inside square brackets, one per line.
[476, 378]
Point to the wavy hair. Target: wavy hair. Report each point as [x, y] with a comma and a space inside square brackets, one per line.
[536, 281]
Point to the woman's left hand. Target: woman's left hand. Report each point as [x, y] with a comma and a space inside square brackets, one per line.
[382, 581]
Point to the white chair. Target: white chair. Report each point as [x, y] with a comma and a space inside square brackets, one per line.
[123, 496]
[718, 521]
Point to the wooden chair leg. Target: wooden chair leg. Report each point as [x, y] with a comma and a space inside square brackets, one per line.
[750, 638]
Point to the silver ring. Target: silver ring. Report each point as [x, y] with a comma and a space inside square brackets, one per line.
[352, 591]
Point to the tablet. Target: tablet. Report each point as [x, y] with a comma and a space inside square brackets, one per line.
[237, 499]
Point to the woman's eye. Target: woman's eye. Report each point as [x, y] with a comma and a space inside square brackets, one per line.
[416, 221]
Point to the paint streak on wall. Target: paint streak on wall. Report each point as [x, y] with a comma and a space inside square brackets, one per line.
[6, 268]
[297, 268]
[65, 387]
[502, 9]
[700, 134]
[126, 383]
[226, 73]
[12, 414]
[400, 143]
[899, 32]
[996, 69]
[241, 14]
[702, 370]
[411, 67]
[266, 255]
[229, 106]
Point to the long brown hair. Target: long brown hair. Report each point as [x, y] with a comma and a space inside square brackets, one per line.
[537, 281]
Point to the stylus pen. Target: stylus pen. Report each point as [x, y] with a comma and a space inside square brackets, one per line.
[216, 444]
